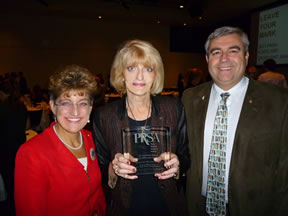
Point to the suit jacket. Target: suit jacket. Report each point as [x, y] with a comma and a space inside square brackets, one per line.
[107, 124]
[258, 178]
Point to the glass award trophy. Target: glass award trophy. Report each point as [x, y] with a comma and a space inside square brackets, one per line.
[144, 144]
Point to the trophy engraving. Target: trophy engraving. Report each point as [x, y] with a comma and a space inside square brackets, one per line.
[144, 144]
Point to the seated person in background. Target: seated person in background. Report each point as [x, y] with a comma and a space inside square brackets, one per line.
[270, 75]
[189, 78]
[99, 99]
[57, 171]
[252, 72]
[13, 118]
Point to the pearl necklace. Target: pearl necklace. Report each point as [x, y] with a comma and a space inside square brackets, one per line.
[69, 146]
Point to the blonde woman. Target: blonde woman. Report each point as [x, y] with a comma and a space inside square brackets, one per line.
[137, 73]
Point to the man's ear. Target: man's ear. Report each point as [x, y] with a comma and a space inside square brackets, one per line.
[247, 57]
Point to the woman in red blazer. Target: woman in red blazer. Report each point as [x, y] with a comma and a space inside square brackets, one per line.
[57, 171]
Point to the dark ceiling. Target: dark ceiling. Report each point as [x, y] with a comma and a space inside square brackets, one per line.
[194, 13]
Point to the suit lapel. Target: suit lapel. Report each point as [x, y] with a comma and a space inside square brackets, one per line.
[201, 105]
[246, 123]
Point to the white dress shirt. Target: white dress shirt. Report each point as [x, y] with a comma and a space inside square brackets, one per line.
[234, 106]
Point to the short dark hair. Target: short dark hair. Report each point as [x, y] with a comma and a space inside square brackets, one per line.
[270, 64]
[72, 77]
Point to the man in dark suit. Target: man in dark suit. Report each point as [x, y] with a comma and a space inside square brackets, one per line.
[255, 178]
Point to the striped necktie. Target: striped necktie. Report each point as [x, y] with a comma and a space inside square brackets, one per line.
[215, 200]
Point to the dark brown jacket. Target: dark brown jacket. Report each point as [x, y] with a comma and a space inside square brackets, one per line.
[258, 177]
[107, 124]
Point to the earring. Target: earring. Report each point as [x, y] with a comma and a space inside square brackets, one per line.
[55, 119]
[88, 121]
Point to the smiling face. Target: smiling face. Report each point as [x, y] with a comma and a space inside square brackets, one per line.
[227, 60]
[138, 80]
[72, 110]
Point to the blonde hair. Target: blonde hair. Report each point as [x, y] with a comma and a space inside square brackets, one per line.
[135, 52]
[72, 77]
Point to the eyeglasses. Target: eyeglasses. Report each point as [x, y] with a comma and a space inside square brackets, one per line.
[68, 105]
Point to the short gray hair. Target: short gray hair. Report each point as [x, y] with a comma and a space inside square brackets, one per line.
[227, 30]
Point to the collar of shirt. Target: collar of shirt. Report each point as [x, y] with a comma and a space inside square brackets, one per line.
[235, 92]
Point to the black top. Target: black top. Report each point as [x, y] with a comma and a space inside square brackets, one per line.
[146, 196]
[108, 124]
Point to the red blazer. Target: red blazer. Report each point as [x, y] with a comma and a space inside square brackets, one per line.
[49, 180]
